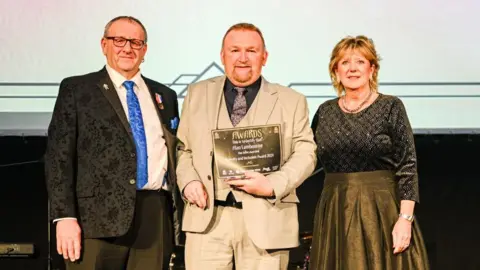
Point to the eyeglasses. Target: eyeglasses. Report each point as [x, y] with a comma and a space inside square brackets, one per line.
[136, 44]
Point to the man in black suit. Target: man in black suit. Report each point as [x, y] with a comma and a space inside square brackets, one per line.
[110, 161]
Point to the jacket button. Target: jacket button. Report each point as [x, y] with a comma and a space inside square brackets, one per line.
[132, 155]
[209, 177]
[132, 181]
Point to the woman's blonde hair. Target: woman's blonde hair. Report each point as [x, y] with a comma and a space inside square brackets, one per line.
[361, 44]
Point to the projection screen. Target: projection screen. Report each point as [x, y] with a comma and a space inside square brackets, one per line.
[429, 51]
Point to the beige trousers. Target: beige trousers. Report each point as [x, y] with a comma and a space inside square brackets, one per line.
[226, 245]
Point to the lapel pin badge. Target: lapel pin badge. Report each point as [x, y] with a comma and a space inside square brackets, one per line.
[105, 86]
[159, 100]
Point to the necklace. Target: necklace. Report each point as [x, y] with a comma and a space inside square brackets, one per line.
[344, 103]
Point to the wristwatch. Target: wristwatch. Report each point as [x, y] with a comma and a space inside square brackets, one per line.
[407, 217]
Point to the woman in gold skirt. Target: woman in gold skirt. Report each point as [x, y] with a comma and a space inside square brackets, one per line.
[364, 219]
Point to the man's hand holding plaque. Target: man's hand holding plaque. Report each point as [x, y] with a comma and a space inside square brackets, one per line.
[253, 183]
[243, 156]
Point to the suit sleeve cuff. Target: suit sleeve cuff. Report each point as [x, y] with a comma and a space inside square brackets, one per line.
[184, 178]
[279, 185]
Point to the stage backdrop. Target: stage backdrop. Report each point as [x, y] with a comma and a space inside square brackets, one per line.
[429, 50]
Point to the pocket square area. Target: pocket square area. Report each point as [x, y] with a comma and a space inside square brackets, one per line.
[174, 123]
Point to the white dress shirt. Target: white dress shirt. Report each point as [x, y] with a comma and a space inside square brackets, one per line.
[156, 148]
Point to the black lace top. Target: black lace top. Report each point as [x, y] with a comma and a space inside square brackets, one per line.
[376, 138]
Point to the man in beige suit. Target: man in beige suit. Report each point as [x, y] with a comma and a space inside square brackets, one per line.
[252, 221]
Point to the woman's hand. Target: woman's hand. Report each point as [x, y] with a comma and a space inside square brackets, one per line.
[402, 233]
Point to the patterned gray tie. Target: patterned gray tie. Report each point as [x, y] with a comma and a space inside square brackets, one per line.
[239, 106]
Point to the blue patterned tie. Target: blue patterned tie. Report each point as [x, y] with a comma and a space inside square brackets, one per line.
[138, 130]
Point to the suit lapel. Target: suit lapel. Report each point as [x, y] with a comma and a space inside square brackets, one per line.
[106, 86]
[171, 144]
[162, 115]
[214, 98]
[266, 100]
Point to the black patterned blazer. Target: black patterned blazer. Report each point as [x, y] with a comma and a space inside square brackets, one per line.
[90, 160]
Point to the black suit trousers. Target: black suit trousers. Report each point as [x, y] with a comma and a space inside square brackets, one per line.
[148, 244]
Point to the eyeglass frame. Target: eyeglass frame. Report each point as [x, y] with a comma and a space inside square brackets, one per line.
[126, 40]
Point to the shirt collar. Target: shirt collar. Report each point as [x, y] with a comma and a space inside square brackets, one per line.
[118, 79]
[253, 87]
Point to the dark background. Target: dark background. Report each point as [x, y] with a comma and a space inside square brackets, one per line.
[448, 212]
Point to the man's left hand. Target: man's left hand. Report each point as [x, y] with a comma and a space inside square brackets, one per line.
[253, 183]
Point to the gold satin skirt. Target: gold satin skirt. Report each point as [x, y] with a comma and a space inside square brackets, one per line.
[353, 225]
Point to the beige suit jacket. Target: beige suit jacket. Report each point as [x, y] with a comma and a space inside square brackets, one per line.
[270, 223]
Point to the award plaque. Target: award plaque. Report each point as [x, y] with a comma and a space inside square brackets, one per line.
[256, 148]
